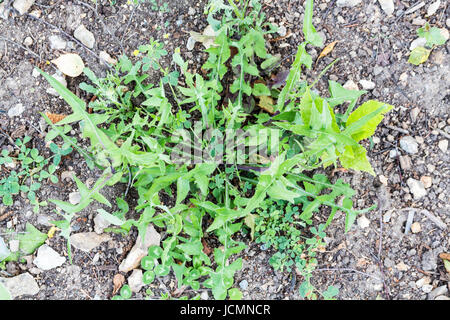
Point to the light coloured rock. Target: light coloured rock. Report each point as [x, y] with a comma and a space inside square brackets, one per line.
[14, 245]
[36, 13]
[47, 258]
[367, 84]
[419, 42]
[350, 85]
[387, 6]
[419, 21]
[140, 249]
[405, 162]
[432, 8]
[88, 240]
[427, 288]
[74, 198]
[107, 58]
[402, 266]
[363, 222]
[445, 33]
[57, 43]
[61, 79]
[422, 282]
[443, 145]
[21, 285]
[204, 295]
[409, 145]
[427, 181]
[70, 64]
[100, 224]
[23, 5]
[191, 11]
[85, 36]
[28, 41]
[439, 291]
[415, 227]
[190, 43]
[416, 187]
[16, 111]
[383, 180]
[282, 31]
[442, 298]
[135, 280]
[348, 3]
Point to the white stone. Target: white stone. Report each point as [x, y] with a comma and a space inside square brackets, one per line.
[432, 8]
[28, 41]
[427, 288]
[350, 85]
[57, 43]
[387, 6]
[443, 145]
[190, 43]
[21, 285]
[74, 198]
[14, 245]
[416, 187]
[85, 36]
[100, 224]
[347, 3]
[409, 145]
[88, 240]
[282, 31]
[367, 84]
[17, 110]
[415, 227]
[47, 258]
[135, 280]
[23, 5]
[419, 42]
[61, 79]
[363, 222]
[107, 58]
[140, 249]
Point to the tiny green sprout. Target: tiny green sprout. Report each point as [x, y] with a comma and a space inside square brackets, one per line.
[148, 277]
[154, 252]
[125, 292]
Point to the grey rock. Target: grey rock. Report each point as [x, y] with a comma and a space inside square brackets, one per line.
[443, 145]
[140, 249]
[47, 258]
[433, 7]
[57, 43]
[442, 298]
[419, 42]
[74, 198]
[387, 6]
[60, 78]
[405, 162]
[85, 36]
[191, 11]
[43, 220]
[21, 285]
[243, 284]
[23, 5]
[377, 70]
[16, 111]
[88, 240]
[14, 245]
[282, 31]
[190, 43]
[409, 145]
[393, 154]
[135, 280]
[367, 84]
[439, 291]
[204, 295]
[416, 187]
[429, 261]
[100, 224]
[347, 3]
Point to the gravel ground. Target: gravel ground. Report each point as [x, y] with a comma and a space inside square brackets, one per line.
[375, 259]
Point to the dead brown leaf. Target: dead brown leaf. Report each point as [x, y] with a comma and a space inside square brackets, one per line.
[266, 103]
[444, 256]
[118, 281]
[206, 249]
[326, 51]
[54, 118]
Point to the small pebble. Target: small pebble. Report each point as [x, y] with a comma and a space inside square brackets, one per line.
[243, 284]
[415, 227]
